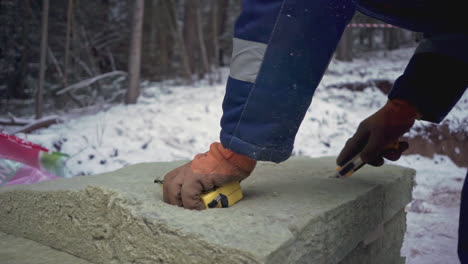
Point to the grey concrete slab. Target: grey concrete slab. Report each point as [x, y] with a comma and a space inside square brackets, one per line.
[292, 213]
[17, 250]
[385, 249]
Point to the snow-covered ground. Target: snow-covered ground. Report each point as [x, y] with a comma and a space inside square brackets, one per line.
[176, 122]
[432, 218]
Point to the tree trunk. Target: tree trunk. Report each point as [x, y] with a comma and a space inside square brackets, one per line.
[69, 96]
[190, 35]
[165, 40]
[153, 34]
[40, 88]
[135, 53]
[179, 37]
[370, 39]
[216, 32]
[344, 50]
[393, 38]
[224, 18]
[201, 41]
[67, 41]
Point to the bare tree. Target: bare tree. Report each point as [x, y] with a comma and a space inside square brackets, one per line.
[179, 37]
[215, 24]
[201, 40]
[152, 10]
[344, 50]
[135, 53]
[67, 41]
[40, 88]
[217, 28]
[392, 38]
[190, 35]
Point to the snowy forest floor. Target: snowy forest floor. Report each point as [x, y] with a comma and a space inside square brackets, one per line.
[172, 122]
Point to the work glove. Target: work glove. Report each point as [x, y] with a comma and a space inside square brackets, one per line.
[207, 171]
[379, 131]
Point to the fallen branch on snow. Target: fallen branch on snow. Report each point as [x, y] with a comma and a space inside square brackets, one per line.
[13, 121]
[40, 123]
[90, 81]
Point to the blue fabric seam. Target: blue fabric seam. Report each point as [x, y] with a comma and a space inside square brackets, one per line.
[260, 70]
[240, 139]
[270, 150]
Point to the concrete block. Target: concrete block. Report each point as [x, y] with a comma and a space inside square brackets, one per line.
[385, 249]
[292, 213]
[17, 250]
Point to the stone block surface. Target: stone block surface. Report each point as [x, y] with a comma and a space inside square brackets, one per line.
[17, 250]
[292, 212]
[385, 249]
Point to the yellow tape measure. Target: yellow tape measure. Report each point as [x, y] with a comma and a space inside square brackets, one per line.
[356, 163]
[222, 197]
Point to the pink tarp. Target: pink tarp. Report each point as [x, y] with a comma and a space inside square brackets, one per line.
[23, 162]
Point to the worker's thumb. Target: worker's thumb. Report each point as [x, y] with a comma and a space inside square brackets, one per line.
[374, 147]
[354, 145]
[395, 154]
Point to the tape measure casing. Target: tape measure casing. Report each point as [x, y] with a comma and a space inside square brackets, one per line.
[232, 191]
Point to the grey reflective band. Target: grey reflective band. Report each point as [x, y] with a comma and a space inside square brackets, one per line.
[453, 45]
[246, 59]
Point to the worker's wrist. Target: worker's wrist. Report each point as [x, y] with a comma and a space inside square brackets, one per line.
[403, 108]
[241, 161]
[220, 160]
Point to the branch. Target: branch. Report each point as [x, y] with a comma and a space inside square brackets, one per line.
[90, 81]
[40, 123]
[14, 121]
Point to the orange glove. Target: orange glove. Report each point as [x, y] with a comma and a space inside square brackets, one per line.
[219, 166]
[378, 131]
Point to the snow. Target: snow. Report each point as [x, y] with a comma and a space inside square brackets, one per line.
[432, 218]
[176, 122]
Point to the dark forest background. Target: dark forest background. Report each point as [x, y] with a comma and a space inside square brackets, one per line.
[87, 58]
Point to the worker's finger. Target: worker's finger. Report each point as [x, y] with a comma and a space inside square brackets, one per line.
[374, 147]
[174, 194]
[190, 194]
[168, 178]
[379, 161]
[395, 154]
[403, 145]
[392, 154]
[172, 188]
[353, 146]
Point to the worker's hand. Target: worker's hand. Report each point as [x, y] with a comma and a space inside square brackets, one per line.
[219, 166]
[376, 133]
